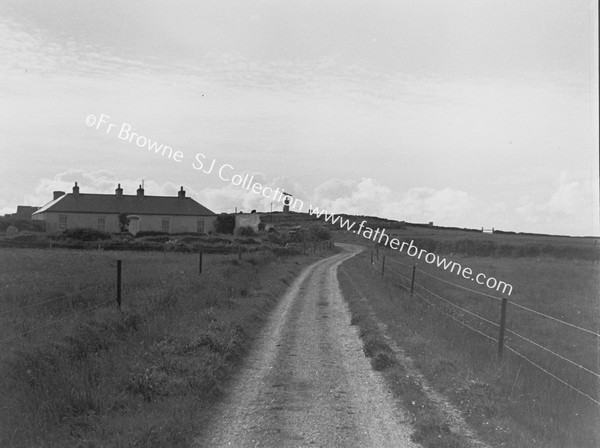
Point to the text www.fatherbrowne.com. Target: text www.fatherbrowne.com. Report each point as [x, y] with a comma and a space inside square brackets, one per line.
[379, 236]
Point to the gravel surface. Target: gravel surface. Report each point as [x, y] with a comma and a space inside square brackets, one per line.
[308, 383]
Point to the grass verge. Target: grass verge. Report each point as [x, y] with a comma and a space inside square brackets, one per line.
[508, 404]
[143, 376]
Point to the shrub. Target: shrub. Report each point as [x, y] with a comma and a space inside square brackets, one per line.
[225, 223]
[83, 235]
[149, 233]
[245, 231]
[278, 238]
[22, 224]
[318, 233]
[245, 241]
[285, 251]
[155, 239]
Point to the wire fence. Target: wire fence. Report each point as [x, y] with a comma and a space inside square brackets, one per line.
[56, 291]
[483, 326]
[51, 310]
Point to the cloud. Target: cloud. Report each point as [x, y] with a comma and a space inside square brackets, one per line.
[223, 199]
[572, 204]
[418, 204]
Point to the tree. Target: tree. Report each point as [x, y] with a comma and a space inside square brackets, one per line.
[225, 223]
[123, 222]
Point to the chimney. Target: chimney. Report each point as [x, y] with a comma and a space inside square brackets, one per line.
[140, 192]
[119, 191]
[57, 194]
[75, 190]
[181, 193]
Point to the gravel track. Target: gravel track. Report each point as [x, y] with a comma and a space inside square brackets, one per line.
[307, 382]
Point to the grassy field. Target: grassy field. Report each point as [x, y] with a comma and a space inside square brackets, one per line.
[77, 371]
[511, 403]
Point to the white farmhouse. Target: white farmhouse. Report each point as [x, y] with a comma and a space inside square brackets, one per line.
[106, 212]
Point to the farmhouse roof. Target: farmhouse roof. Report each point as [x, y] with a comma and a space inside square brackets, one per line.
[139, 204]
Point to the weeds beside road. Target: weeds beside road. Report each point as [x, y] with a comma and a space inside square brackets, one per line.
[510, 403]
[144, 376]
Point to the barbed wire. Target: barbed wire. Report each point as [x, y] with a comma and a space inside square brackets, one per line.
[554, 353]
[551, 374]
[513, 351]
[456, 306]
[512, 303]
[47, 324]
[54, 299]
[387, 258]
[525, 358]
[555, 319]
[460, 286]
[397, 273]
[455, 319]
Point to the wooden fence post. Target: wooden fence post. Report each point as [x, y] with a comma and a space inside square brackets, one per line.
[200, 263]
[383, 265]
[119, 283]
[502, 327]
[412, 282]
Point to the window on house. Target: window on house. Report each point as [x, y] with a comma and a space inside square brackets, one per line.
[165, 225]
[102, 224]
[62, 222]
[200, 227]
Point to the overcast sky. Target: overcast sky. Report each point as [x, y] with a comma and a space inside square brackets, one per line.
[467, 113]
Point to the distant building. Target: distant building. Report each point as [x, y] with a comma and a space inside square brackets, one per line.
[24, 212]
[117, 212]
[247, 220]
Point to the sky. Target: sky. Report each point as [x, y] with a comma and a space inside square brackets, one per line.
[466, 113]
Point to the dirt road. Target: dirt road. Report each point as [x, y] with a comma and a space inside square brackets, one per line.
[308, 383]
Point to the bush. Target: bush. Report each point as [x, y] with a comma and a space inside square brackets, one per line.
[82, 235]
[225, 223]
[155, 239]
[144, 233]
[22, 224]
[245, 241]
[245, 231]
[278, 238]
[318, 233]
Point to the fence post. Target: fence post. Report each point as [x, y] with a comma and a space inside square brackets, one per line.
[119, 283]
[502, 327]
[200, 263]
[412, 282]
[383, 265]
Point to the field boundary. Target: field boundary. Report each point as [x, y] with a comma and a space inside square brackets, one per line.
[119, 290]
[416, 289]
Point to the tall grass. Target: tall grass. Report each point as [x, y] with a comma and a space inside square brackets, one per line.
[144, 375]
[511, 402]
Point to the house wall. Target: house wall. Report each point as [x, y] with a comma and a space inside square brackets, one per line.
[247, 220]
[111, 222]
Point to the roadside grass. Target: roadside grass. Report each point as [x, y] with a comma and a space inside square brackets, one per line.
[509, 403]
[86, 374]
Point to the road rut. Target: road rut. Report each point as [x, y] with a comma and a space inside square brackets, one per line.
[307, 382]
